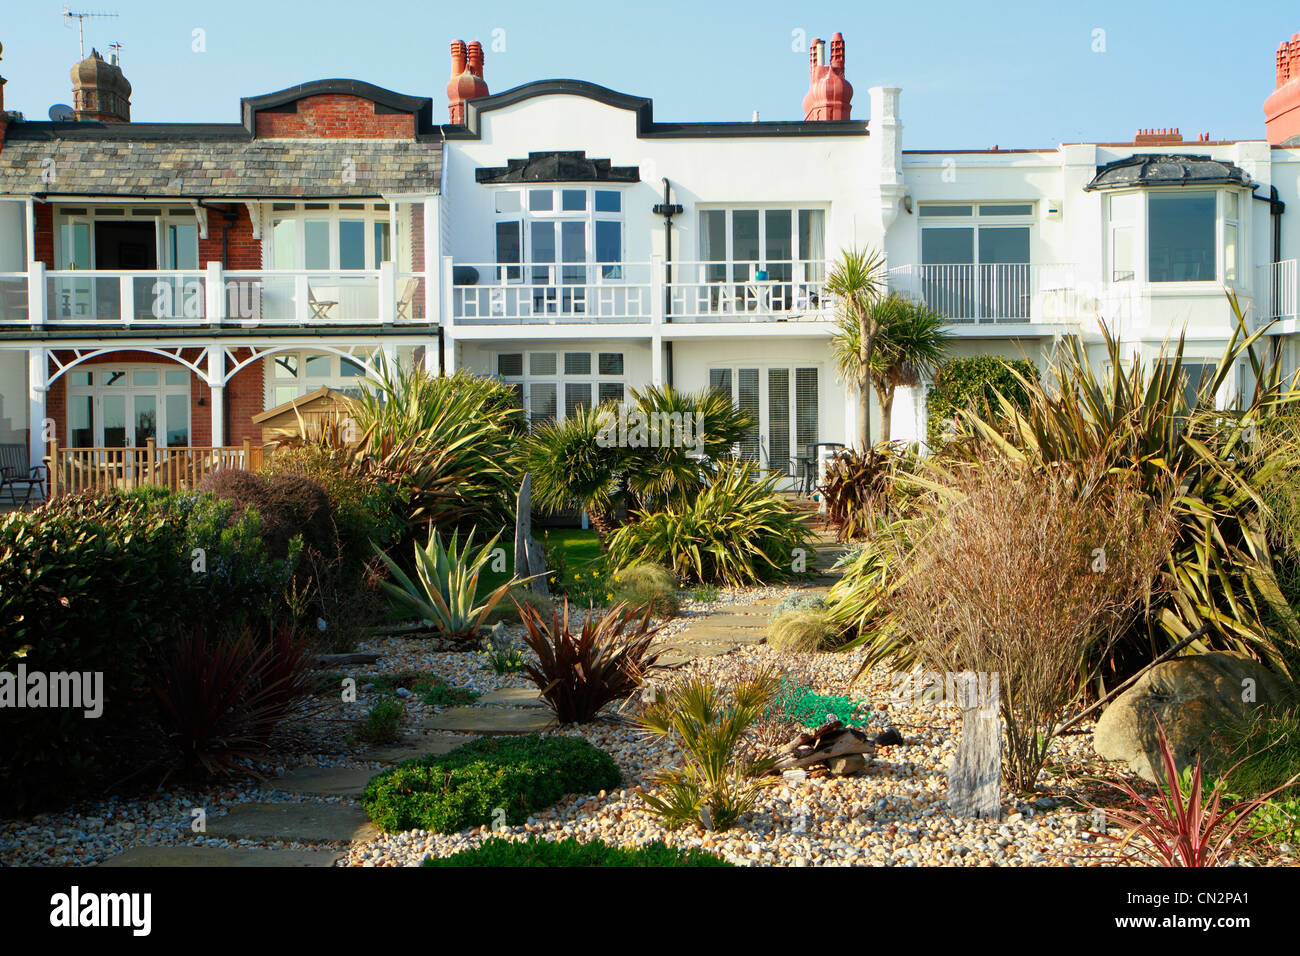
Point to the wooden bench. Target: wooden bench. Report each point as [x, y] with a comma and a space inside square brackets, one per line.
[16, 473]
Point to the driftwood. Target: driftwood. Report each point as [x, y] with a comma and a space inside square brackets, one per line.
[975, 778]
[530, 559]
[828, 742]
[338, 660]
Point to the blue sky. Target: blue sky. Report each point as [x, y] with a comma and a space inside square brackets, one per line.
[1011, 74]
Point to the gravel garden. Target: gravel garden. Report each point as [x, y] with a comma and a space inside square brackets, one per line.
[1064, 636]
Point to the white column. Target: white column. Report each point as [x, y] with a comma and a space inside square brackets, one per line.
[214, 293]
[447, 318]
[658, 289]
[38, 380]
[217, 382]
[36, 292]
[432, 261]
[387, 292]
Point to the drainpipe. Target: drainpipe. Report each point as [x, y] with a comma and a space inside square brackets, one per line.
[668, 209]
[1275, 209]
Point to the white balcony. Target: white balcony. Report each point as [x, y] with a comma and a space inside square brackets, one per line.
[1003, 293]
[637, 292]
[214, 296]
[1280, 289]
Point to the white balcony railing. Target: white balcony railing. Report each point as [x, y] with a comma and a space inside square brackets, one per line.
[631, 292]
[994, 293]
[748, 291]
[1280, 282]
[211, 296]
[549, 293]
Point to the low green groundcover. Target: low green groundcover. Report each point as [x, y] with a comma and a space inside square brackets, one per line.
[464, 788]
[538, 852]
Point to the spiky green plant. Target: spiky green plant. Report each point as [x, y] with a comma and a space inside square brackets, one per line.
[447, 593]
[1136, 417]
[738, 531]
[449, 441]
[571, 466]
[675, 470]
[708, 722]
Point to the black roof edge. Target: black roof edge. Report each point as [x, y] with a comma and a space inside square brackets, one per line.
[646, 127]
[163, 132]
[419, 106]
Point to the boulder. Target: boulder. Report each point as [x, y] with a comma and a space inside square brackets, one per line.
[1190, 696]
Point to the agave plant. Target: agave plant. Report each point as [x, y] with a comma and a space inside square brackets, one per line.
[1180, 825]
[708, 722]
[447, 594]
[579, 673]
[738, 531]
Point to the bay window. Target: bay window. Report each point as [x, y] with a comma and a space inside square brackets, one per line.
[567, 235]
[1189, 235]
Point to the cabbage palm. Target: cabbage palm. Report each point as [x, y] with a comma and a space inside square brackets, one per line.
[855, 284]
[570, 467]
[911, 343]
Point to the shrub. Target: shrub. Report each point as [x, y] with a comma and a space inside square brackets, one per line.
[382, 723]
[221, 693]
[810, 629]
[465, 787]
[287, 506]
[975, 382]
[447, 595]
[858, 488]
[535, 851]
[798, 602]
[708, 723]
[580, 673]
[647, 588]
[1030, 577]
[737, 532]
[1263, 748]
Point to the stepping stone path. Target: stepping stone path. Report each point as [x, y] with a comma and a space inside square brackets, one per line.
[294, 823]
[215, 856]
[487, 719]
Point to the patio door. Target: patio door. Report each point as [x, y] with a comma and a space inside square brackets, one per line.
[782, 401]
[125, 407]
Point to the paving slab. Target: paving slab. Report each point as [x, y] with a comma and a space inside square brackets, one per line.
[215, 856]
[513, 697]
[412, 747]
[710, 634]
[493, 720]
[324, 781]
[738, 620]
[294, 823]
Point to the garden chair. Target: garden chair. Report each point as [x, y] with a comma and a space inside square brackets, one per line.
[320, 308]
[406, 300]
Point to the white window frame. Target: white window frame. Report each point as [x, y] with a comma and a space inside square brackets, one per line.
[595, 271]
[98, 391]
[303, 383]
[560, 379]
[764, 403]
[333, 213]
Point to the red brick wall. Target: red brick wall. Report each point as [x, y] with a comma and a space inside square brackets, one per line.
[335, 116]
[44, 216]
[242, 250]
[244, 399]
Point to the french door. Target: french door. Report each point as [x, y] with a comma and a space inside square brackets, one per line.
[125, 407]
[782, 403]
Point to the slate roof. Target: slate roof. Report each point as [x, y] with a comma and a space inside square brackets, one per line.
[1153, 169]
[207, 162]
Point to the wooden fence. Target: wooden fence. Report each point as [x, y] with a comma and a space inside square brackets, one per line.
[99, 469]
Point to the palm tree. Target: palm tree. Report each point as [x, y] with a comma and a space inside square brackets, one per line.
[571, 466]
[855, 284]
[911, 343]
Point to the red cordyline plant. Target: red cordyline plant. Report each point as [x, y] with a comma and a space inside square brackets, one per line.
[1179, 826]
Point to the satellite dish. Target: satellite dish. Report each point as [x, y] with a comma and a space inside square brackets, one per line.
[62, 113]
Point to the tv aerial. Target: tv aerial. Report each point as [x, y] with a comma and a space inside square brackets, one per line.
[81, 17]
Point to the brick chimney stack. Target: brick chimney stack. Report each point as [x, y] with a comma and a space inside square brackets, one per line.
[1158, 137]
[1282, 109]
[466, 78]
[100, 92]
[830, 95]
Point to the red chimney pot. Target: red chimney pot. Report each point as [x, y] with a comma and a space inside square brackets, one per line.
[466, 78]
[830, 95]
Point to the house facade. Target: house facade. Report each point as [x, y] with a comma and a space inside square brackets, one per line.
[165, 285]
